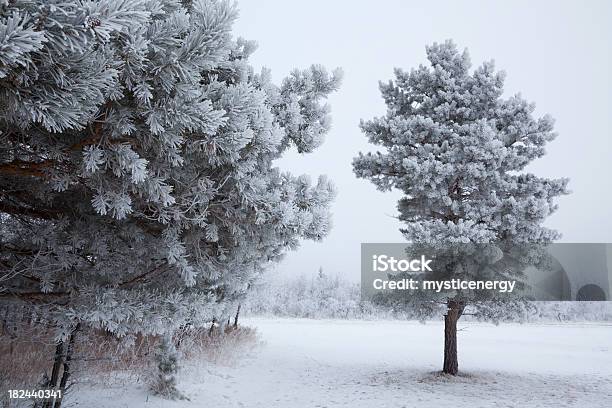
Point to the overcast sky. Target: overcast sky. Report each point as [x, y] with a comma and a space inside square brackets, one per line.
[556, 53]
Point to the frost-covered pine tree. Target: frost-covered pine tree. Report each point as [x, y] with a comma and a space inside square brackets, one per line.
[167, 359]
[138, 191]
[457, 149]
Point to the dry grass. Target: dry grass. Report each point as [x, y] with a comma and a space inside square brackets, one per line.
[26, 355]
[213, 347]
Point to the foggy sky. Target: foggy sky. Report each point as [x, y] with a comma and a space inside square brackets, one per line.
[555, 53]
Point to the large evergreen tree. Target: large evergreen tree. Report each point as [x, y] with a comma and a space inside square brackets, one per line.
[138, 190]
[457, 149]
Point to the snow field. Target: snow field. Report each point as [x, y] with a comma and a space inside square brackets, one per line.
[332, 363]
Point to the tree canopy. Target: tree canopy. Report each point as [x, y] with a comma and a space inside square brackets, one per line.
[137, 182]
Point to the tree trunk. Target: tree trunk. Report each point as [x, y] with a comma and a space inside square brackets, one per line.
[236, 317]
[57, 364]
[67, 360]
[453, 313]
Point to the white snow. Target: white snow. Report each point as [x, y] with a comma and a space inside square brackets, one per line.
[331, 363]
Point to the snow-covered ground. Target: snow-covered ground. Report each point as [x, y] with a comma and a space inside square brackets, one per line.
[328, 363]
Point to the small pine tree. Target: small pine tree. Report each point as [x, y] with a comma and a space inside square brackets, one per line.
[458, 151]
[167, 359]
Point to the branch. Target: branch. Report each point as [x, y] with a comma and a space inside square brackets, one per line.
[20, 168]
[34, 295]
[141, 276]
[35, 169]
[46, 214]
